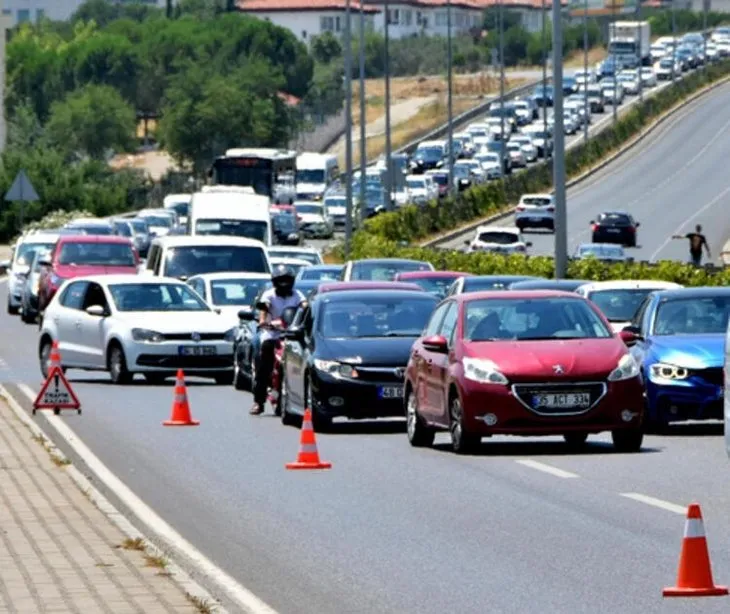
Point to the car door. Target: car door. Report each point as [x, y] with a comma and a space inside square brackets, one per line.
[437, 366]
[66, 316]
[422, 360]
[93, 327]
[294, 359]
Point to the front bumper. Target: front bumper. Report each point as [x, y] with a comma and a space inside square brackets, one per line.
[355, 399]
[166, 356]
[690, 399]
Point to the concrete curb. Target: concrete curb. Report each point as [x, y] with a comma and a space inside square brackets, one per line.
[178, 575]
[623, 149]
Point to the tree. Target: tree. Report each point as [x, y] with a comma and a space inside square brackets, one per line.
[326, 48]
[92, 121]
[106, 59]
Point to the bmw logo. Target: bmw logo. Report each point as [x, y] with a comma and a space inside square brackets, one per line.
[195, 336]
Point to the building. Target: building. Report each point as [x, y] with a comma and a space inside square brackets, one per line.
[22, 11]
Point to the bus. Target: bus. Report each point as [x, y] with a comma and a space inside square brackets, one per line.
[260, 169]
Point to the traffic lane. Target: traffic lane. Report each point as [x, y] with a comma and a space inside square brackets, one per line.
[393, 545]
[682, 163]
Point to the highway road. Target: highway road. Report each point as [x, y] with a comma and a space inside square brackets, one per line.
[522, 527]
[674, 179]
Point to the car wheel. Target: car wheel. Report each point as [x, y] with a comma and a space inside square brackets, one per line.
[462, 442]
[320, 422]
[627, 440]
[287, 418]
[239, 381]
[419, 435]
[45, 358]
[575, 441]
[118, 366]
[12, 310]
[223, 379]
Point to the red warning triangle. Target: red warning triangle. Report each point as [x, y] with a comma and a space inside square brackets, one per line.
[56, 392]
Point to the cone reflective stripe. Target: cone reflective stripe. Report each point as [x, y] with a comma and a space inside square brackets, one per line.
[308, 457]
[694, 576]
[180, 407]
[54, 359]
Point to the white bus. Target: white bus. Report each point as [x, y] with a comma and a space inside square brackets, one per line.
[230, 213]
[315, 173]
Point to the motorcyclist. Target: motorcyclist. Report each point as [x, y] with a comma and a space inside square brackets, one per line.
[272, 304]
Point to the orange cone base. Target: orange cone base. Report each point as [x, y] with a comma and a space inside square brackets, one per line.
[713, 591]
[319, 465]
[180, 423]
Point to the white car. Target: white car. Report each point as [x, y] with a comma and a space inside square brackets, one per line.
[314, 220]
[583, 77]
[127, 324]
[159, 221]
[491, 164]
[475, 168]
[619, 300]
[571, 123]
[648, 76]
[418, 189]
[295, 264]
[310, 254]
[523, 111]
[629, 82]
[535, 211]
[527, 146]
[228, 293]
[516, 154]
[498, 240]
[18, 267]
[608, 252]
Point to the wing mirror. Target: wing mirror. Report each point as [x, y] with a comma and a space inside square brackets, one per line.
[246, 315]
[630, 335]
[5, 264]
[436, 343]
[45, 262]
[294, 334]
[592, 222]
[638, 224]
[96, 310]
[529, 244]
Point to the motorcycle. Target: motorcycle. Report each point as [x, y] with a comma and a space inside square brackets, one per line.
[274, 388]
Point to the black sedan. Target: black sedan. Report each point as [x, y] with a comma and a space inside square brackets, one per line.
[346, 354]
[286, 229]
[615, 227]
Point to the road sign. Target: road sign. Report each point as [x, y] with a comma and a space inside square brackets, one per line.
[22, 190]
[56, 393]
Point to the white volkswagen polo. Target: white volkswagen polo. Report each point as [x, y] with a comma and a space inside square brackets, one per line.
[127, 324]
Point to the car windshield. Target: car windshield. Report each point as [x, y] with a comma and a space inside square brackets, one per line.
[123, 229]
[472, 284]
[614, 219]
[180, 208]
[440, 178]
[284, 222]
[692, 316]
[600, 251]
[384, 271]
[311, 175]
[25, 252]
[430, 153]
[249, 229]
[314, 209]
[619, 305]
[416, 184]
[532, 320]
[139, 226]
[542, 201]
[501, 238]
[155, 297]
[435, 285]
[312, 257]
[235, 292]
[199, 259]
[96, 254]
[335, 202]
[321, 274]
[376, 317]
[161, 221]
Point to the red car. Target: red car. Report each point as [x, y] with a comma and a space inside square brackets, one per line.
[522, 363]
[80, 255]
[435, 282]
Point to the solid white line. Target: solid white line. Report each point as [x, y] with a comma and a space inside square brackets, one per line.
[244, 598]
[558, 473]
[654, 502]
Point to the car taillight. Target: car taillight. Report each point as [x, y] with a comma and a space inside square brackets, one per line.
[632, 229]
[520, 208]
[551, 209]
[595, 227]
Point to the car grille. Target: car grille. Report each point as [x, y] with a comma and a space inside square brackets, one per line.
[713, 375]
[525, 394]
[185, 362]
[380, 374]
[189, 336]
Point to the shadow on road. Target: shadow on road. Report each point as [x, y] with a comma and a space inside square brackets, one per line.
[547, 448]
[367, 427]
[705, 429]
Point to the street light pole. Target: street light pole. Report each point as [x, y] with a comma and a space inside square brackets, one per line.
[674, 42]
[388, 146]
[614, 62]
[561, 221]
[363, 132]
[585, 70]
[501, 74]
[449, 101]
[348, 131]
[639, 58]
[544, 78]
[705, 9]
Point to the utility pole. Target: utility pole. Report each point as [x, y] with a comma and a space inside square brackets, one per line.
[544, 78]
[501, 74]
[168, 9]
[561, 218]
[449, 102]
[614, 61]
[585, 70]
[705, 9]
[363, 132]
[639, 57]
[674, 41]
[348, 131]
[388, 146]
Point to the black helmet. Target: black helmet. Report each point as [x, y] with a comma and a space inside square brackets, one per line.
[283, 279]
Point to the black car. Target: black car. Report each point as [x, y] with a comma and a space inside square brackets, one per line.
[286, 229]
[481, 283]
[346, 354]
[564, 285]
[615, 227]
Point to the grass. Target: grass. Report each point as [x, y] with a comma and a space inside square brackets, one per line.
[133, 544]
[202, 605]
[155, 561]
[575, 60]
[56, 457]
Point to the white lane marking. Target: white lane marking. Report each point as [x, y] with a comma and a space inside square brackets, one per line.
[654, 502]
[3, 280]
[558, 473]
[714, 201]
[244, 598]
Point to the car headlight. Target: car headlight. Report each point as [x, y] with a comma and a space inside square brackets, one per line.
[666, 371]
[147, 336]
[334, 368]
[230, 334]
[483, 371]
[626, 369]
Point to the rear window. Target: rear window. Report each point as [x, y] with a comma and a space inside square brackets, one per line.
[501, 238]
[247, 229]
[612, 219]
[537, 200]
[382, 271]
[96, 254]
[197, 260]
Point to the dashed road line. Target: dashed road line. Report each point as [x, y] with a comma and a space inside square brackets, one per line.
[654, 502]
[554, 471]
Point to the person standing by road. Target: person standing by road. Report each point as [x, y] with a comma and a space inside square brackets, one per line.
[696, 242]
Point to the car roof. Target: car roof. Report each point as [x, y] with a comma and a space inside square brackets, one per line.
[62, 240]
[502, 277]
[39, 238]
[206, 240]
[389, 261]
[614, 213]
[129, 278]
[350, 286]
[293, 248]
[230, 275]
[345, 295]
[514, 295]
[274, 259]
[406, 275]
[547, 284]
[697, 292]
[88, 221]
[510, 229]
[628, 284]
[326, 267]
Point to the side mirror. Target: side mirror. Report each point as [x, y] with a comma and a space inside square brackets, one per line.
[45, 262]
[5, 264]
[630, 335]
[96, 310]
[246, 315]
[529, 244]
[294, 334]
[638, 224]
[592, 222]
[436, 343]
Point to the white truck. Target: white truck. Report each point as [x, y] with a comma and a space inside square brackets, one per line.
[629, 41]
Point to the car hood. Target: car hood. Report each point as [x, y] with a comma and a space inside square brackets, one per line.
[68, 271]
[168, 322]
[536, 360]
[230, 313]
[691, 351]
[368, 351]
[311, 218]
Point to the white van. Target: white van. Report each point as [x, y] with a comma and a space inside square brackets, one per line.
[230, 213]
[315, 173]
[180, 204]
[184, 256]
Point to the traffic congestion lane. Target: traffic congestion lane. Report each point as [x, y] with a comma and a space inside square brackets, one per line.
[350, 540]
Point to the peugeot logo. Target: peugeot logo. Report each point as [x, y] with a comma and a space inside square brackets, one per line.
[399, 372]
[558, 369]
[195, 336]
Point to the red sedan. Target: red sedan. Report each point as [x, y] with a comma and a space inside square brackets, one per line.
[522, 363]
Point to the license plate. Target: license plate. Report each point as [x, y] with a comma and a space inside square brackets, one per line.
[567, 400]
[390, 392]
[197, 350]
[536, 219]
[614, 231]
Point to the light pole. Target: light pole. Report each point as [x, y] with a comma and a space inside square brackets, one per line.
[674, 42]
[348, 131]
[585, 70]
[561, 230]
[544, 79]
[363, 133]
[501, 75]
[639, 57]
[388, 153]
[614, 63]
[705, 9]
[449, 101]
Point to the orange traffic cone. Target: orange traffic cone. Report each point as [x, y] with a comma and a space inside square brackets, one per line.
[694, 577]
[55, 358]
[180, 407]
[308, 457]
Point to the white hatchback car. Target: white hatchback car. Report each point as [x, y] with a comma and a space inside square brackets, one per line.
[127, 324]
[498, 240]
[535, 211]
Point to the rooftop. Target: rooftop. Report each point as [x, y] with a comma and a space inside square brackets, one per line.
[280, 6]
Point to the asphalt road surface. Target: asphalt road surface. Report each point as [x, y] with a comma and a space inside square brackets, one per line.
[520, 528]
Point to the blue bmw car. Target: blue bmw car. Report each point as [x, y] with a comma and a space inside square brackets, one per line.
[680, 346]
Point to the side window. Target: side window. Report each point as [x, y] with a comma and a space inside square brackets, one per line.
[640, 312]
[73, 296]
[152, 257]
[448, 326]
[94, 296]
[434, 324]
